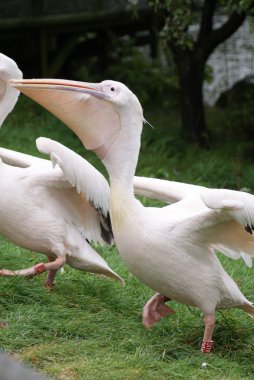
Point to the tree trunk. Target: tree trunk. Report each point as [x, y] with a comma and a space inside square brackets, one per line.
[190, 67]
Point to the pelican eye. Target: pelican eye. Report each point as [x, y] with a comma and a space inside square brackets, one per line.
[112, 89]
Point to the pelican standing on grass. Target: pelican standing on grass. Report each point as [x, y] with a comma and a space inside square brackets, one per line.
[55, 211]
[170, 249]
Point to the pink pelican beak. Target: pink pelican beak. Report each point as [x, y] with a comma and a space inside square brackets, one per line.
[83, 107]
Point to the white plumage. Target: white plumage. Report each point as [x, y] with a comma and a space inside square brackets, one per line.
[234, 208]
[54, 211]
[170, 249]
[8, 95]
[73, 167]
[41, 209]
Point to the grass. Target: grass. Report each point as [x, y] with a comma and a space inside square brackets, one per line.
[90, 327]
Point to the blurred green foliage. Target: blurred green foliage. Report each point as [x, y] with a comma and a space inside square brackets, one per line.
[127, 63]
[181, 14]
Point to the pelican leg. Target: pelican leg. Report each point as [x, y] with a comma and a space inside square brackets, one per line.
[49, 283]
[155, 309]
[36, 269]
[207, 343]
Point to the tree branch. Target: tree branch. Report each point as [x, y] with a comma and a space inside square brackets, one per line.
[88, 20]
[219, 35]
[206, 24]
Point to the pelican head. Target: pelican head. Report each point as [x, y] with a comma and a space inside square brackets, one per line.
[96, 112]
[8, 95]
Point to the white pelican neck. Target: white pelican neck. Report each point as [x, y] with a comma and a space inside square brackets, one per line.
[121, 158]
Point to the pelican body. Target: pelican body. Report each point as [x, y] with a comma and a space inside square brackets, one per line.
[44, 208]
[170, 249]
[42, 211]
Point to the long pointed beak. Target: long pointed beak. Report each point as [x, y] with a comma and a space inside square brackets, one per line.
[58, 84]
[82, 106]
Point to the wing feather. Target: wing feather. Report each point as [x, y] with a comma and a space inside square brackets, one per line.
[236, 204]
[168, 191]
[80, 173]
[220, 229]
[221, 219]
[22, 160]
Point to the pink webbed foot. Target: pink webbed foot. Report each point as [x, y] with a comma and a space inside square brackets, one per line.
[29, 272]
[49, 283]
[206, 346]
[7, 272]
[37, 269]
[155, 309]
[207, 343]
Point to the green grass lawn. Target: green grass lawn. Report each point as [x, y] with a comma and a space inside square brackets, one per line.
[90, 327]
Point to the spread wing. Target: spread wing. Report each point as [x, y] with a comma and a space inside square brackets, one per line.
[168, 191]
[80, 173]
[87, 180]
[225, 223]
[22, 160]
[37, 170]
[222, 219]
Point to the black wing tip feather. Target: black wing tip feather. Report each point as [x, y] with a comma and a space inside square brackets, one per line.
[249, 229]
[106, 229]
[105, 225]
